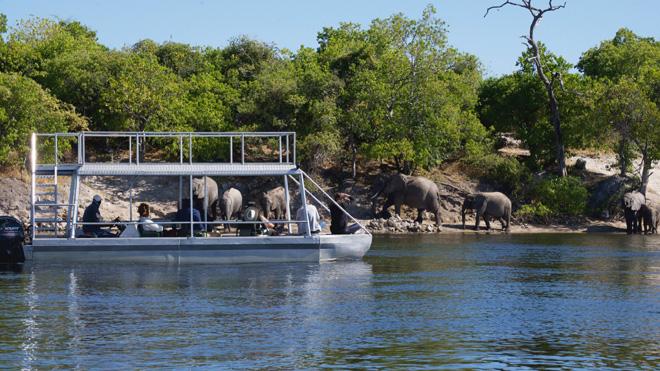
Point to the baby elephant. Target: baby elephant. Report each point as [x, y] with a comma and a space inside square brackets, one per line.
[650, 215]
[493, 204]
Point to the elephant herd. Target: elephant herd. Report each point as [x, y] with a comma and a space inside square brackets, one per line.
[417, 192]
[230, 203]
[423, 194]
[638, 213]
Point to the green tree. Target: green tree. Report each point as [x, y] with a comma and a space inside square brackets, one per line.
[518, 103]
[626, 96]
[141, 95]
[541, 67]
[404, 84]
[350, 55]
[25, 108]
[3, 27]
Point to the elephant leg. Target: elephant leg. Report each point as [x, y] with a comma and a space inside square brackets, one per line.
[438, 219]
[214, 210]
[389, 202]
[476, 223]
[487, 222]
[397, 208]
[420, 219]
[629, 220]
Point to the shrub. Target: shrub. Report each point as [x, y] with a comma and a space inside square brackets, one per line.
[534, 213]
[561, 196]
[507, 171]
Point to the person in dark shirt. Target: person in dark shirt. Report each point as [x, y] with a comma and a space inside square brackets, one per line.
[93, 215]
[339, 223]
[183, 215]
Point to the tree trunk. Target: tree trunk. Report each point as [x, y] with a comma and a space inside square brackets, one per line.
[554, 109]
[354, 159]
[622, 157]
[646, 166]
[559, 144]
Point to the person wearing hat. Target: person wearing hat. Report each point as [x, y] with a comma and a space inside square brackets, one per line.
[93, 215]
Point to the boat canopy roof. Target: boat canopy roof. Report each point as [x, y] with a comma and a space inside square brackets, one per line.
[277, 154]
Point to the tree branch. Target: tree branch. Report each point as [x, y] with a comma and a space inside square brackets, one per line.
[561, 83]
[527, 4]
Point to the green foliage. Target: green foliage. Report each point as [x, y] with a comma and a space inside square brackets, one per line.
[504, 170]
[518, 103]
[407, 96]
[3, 27]
[534, 213]
[25, 108]
[560, 195]
[625, 97]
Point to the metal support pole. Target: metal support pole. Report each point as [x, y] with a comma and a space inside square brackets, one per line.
[192, 234]
[287, 202]
[33, 184]
[304, 205]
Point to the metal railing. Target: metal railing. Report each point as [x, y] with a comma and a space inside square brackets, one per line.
[286, 145]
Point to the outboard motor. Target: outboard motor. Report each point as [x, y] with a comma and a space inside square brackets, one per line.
[12, 239]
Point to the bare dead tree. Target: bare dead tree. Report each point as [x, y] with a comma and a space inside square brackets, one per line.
[537, 16]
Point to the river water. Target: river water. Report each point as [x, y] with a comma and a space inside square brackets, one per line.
[445, 302]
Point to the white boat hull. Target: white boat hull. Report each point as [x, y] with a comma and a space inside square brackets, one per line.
[206, 250]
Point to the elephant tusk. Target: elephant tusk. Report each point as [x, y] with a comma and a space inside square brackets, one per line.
[374, 196]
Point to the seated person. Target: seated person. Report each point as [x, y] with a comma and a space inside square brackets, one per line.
[149, 225]
[252, 214]
[339, 223]
[93, 215]
[312, 218]
[183, 215]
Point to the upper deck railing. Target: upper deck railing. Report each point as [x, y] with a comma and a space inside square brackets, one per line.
[181, 153]
[281, 151]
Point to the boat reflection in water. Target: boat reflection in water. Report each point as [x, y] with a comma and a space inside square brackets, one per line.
[119, 316]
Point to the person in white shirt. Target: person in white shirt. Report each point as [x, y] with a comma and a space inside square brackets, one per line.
[312, 217]
[149, 225]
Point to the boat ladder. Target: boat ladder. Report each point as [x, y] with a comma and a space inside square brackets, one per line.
[49, 211]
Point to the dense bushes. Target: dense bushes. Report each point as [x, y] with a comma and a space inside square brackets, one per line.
[503, 170]
[554, 197]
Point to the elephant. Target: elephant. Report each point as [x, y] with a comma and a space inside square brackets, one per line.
[211, 192]
[650, 216]
[275, 201]
[417, 192]
[493, 204]
[231, 203]
[632, 202]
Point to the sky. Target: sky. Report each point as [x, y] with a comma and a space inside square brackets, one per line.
[494, 39]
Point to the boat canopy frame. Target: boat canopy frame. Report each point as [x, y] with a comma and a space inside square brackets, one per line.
[77, 165]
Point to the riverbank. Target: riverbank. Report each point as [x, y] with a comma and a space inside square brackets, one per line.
[15, 201]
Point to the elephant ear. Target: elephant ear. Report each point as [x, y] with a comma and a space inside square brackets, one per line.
[480, 198]
[395, 183]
